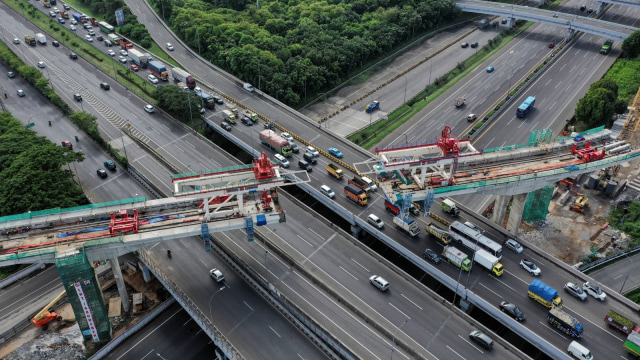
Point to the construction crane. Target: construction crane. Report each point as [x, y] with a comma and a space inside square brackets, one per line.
[47, 314]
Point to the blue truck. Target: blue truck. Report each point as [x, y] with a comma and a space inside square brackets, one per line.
[373, 106]
[544, 294]
[208, 100]
[565, 322]
[158, 70]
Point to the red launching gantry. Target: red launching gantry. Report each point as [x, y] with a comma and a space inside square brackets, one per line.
[448, 144]
[262, 167]
[125, 223]
[588, 153]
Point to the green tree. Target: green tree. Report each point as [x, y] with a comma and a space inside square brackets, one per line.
[631, 46]
[176, 102]
[607, 84]
[596, 107]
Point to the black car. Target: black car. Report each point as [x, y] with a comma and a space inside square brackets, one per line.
[77, 97]
[110, 164]
[268, 125]
[512, 311]
[431, 256]
[73, 56]
[245, 120]
[11, 74]
[218, 100]
[55, 43]
[225, 125]
[99, 38]
[583, 8]
[294, 148]
[102, 173]
[464, 45]
[105, 86]
[481, 338]
[474, 44]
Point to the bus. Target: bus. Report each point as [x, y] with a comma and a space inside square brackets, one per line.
[105, 28]
[470, 236]
[526, 106]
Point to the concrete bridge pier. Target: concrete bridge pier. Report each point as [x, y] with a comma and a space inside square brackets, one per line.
[146, 274]
[570, 33]
[500, 209]
[117, 274]
[515, 215]
[511, 21]
[600, 7]
[355, 231]
[541, 2]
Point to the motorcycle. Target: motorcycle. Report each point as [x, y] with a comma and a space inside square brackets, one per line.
[169, 254]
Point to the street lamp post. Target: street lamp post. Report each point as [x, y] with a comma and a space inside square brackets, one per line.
[211, 298]
[393, 347]
[190, 113]
[405, 91]
[123, 147]
[628, 272]
[406, 139]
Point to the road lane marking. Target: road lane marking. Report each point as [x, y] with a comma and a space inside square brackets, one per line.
[345, 270]
[400, 311]
[411, 301]
[354, 260]
[453, 351]
[275, 332]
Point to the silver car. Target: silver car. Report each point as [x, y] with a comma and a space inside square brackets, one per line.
[514, 246]
[379, 282]
[594, 290]
[575, 290]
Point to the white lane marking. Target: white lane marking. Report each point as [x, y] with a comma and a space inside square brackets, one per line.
[400, 311]
[453, 351]
[411, 301]
[275, 332]
[470, 343]
[345, 270]
[362, 266]
[301, 238]
[247, 305]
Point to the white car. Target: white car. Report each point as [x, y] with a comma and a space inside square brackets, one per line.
[197, 91]
[311, 150]
[73, 22]
[111, 53]
[41, 64]
[530, 267]
[370, 182]
[122, 59]
[72, 28]
[248, 87]
[287, 137]
[149, 109]
[152, 79]
[57, 11]
[16, 41]
[379, 282]
[89, 38]
[124, 52]
[216, 275]
[169, 47]
[375, 221]
[283, 160]
[91, 32]
[594, 290]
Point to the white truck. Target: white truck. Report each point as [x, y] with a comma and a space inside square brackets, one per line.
[450, 207]
[41, 39]
[228, 116]
[410, 226]
[459, 102]
[457, 258]
[488, 261]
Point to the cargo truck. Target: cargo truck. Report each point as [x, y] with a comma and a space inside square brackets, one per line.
[140, 58]
[356, 181]
[158, 70]
[112, 37]
[64, 14]
[229, 116]
[125, 44]
[459, 102]
[81, 18]
[565, 322]
[355, 194]
[632, 344]
[208, 100]
[438, 233]
[46, 3]
[621, 323]
[180, 75]
[450, 207]
[457, 258]
[251, 115]
[544, 294]
[488, 261]
[606, 47]
[30, 39]
[41, 39]
[408, 225]
[272, 140]
[231, 107]
[395, 209]
[335, 171]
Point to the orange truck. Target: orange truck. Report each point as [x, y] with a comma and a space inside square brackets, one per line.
[335, 171]
[355, 194]
[358, 182]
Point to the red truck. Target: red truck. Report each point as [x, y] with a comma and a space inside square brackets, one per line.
[620, 322]
[126, 44]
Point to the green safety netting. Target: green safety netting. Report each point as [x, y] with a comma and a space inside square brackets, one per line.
[537, 204]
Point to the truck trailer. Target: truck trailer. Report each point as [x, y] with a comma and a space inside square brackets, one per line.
[229, 116]
[488, 261]
[621, 323]
[355, 194]
[335, 171]
[41, 39]
[565, 322]
[357, 181]
[544, 294]
[30, 39]
[274, 141]
[450, 207]
[436, 232]
[140, 58]
[632, 344]
[395, 209]
[457, 258]
[180, 75]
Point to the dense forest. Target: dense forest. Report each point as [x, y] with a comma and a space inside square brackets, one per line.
[287, 48]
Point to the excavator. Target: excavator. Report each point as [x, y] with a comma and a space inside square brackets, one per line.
[47, 314]
[582, 202]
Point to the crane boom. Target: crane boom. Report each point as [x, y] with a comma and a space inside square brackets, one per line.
[44, 316]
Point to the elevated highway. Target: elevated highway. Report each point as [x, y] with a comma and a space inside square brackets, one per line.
[570, 22]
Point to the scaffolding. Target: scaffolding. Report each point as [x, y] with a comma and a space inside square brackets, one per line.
[542, 136]
[537, 204]
[85, 296]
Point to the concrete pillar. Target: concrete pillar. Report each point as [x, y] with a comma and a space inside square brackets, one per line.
[515, 215]
[146, 274]
[117, 274]
[570, 33]
[541, 2]
[355, 231]
[500, 209]
[511, 22]
[600, 8]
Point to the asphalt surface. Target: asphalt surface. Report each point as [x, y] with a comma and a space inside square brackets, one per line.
[621, 276]
[173, 335]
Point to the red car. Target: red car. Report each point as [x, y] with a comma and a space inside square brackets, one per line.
[134, 67]
[551, 45]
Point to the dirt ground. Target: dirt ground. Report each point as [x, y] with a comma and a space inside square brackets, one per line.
[569, 235]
